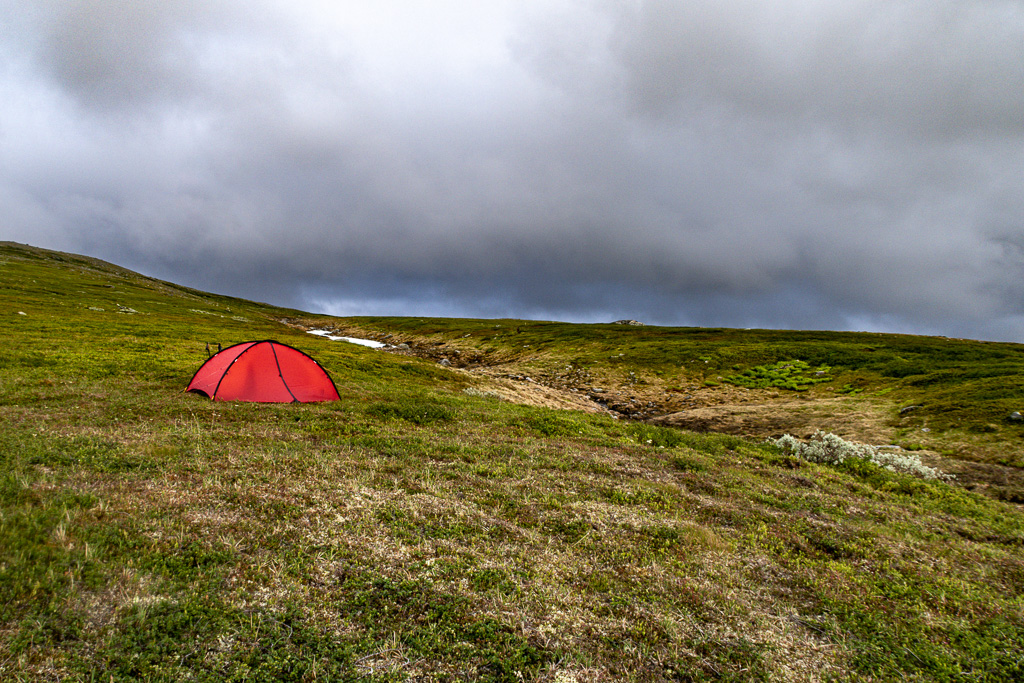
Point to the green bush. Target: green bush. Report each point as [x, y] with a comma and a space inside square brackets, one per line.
[792, 375]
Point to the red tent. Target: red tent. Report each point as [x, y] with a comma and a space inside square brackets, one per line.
[263, 372]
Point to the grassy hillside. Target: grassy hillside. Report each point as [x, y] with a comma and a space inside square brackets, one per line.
[953, 395]
[424, 529]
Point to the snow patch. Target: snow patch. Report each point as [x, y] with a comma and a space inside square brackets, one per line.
[352, 340]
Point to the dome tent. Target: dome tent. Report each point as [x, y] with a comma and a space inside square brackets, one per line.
[263, 372]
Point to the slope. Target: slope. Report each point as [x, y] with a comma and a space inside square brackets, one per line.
[422, 529]
[955, 402]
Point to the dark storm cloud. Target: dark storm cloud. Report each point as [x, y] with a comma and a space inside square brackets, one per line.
[845, 164]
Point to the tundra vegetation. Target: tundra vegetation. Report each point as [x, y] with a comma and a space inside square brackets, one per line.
[425, 528]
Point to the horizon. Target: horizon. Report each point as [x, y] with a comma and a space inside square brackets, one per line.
[536, 320]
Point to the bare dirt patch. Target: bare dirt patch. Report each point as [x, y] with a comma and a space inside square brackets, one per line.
[532, 393]
[859, 421]
[996, 481]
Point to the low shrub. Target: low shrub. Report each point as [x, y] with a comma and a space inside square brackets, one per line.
[793, 375]
[830, 449]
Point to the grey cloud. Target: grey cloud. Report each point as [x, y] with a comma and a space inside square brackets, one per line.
[801, 164]
[117, 51]
[941, 68]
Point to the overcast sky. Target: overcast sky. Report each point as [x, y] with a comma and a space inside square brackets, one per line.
[811, 164]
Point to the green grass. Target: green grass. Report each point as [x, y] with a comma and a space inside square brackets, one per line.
[966, 389]
[417, 531]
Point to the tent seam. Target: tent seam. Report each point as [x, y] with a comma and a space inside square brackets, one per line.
[281, 375]
[225, 373]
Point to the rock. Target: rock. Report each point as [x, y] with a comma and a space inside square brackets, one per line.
[1016, 417]
[444, 362]
[627, 322]
[904, 411]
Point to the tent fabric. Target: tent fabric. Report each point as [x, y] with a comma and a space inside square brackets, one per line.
[264, 372]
